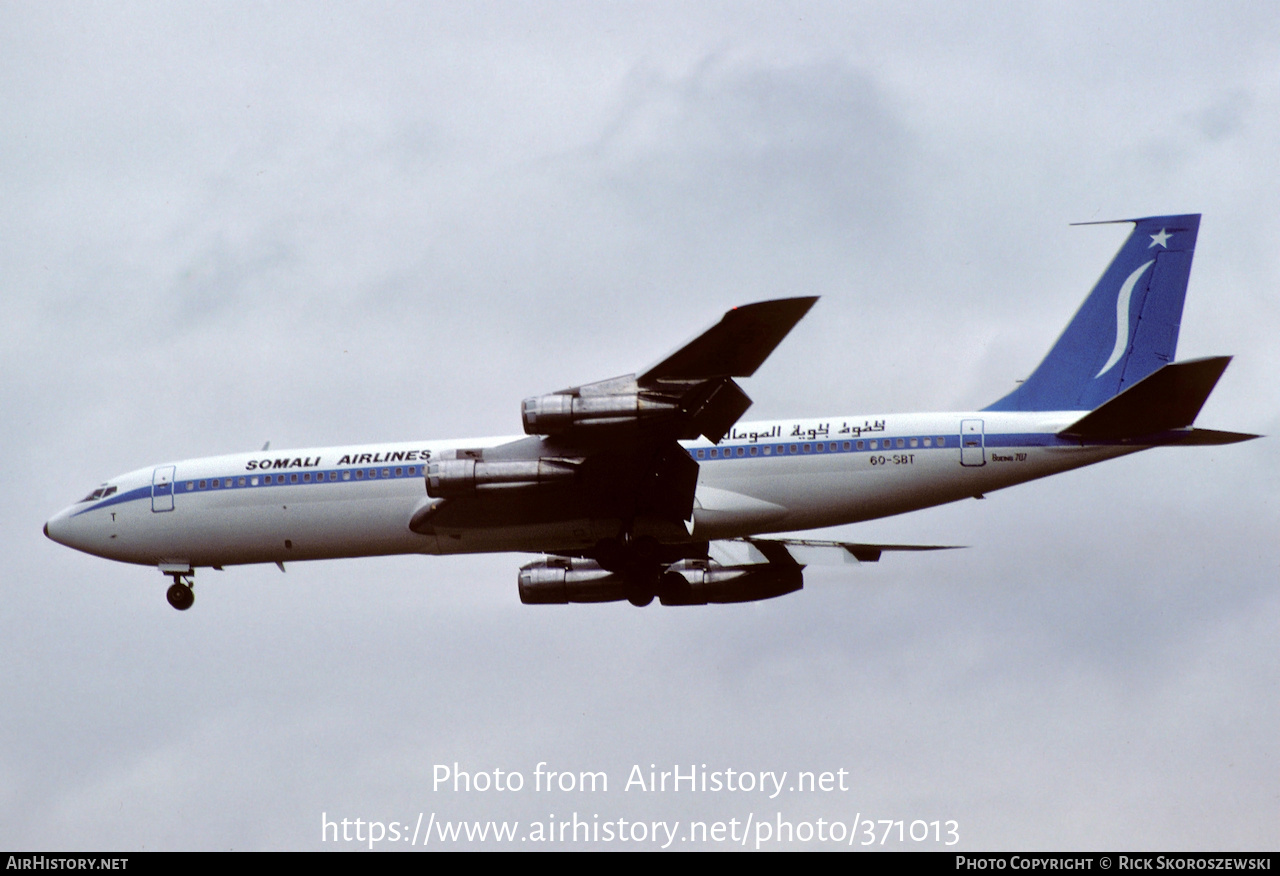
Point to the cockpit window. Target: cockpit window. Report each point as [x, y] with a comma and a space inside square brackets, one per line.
[101, 493]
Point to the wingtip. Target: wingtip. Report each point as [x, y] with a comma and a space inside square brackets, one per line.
[806, 300]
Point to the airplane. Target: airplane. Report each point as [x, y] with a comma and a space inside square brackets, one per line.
[647, 485]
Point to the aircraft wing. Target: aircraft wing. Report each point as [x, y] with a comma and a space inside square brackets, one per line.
[610, 449]
[689, 393]
[735, 346]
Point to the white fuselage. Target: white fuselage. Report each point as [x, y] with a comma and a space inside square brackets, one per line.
[777, 476]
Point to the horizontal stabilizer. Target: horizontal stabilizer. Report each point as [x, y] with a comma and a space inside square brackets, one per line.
[1169, 398]
[736, 345]
[808, 552]
[1207, 437]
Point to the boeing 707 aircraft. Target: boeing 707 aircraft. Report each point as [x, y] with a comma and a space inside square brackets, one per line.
[647, 485]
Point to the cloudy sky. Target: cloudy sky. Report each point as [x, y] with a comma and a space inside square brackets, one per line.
[222, 224]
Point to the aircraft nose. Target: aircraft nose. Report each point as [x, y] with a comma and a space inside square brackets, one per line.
[59, 529]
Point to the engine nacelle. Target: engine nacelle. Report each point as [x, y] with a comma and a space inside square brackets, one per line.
[562, 580]
[558, 413]
[559, 581]
[466, 477]
[696, 582]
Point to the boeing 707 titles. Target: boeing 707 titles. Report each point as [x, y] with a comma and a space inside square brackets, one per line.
[647, 485]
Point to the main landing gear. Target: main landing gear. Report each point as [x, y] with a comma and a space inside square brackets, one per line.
[638, 559]
[180, 594]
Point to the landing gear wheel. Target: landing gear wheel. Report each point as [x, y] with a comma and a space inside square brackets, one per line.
[642, 586]
[674, 589]
[180, 596]
[611, 554]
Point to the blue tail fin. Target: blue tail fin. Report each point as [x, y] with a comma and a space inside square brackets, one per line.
[1127, 327]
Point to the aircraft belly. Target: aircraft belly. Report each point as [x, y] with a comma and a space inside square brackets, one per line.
[305, 523]
[560, 535]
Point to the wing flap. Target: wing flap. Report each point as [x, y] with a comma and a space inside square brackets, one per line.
[809, 552]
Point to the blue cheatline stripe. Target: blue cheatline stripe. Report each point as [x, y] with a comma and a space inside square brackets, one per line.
[310, 478]
[722, 453]
[878, 445]
[139, 493]
[812, 447]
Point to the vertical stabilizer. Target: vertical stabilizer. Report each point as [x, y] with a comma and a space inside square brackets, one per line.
[1126, 329]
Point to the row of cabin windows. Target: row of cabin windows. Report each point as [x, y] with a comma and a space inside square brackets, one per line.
[305, 477]
[712, 453]
[820, 447]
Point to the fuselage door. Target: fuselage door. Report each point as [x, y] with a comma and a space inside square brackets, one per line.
[972, 451]
[162, 489]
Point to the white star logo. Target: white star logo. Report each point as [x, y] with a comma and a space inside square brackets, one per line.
[1160, 238]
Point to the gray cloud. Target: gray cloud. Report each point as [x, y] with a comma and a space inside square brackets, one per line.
[222, 225]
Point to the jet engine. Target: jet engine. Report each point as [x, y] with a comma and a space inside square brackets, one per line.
[559, 413]
[562, 580]
[447, 478]
[698, 582]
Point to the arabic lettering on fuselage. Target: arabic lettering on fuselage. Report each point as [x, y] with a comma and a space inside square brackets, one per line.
[753, 437]
[822, 430]
[877, 426]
